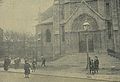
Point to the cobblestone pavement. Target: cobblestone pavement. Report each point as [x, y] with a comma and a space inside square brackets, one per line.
[114, 78]
[18, 77]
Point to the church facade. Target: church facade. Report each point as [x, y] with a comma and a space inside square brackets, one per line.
[61, 31]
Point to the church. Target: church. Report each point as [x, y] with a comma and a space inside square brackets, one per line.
[61, 27]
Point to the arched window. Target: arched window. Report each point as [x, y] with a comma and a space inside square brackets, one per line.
[48, 35]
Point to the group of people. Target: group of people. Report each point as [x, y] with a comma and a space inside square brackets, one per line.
[7, 63]
[27, 66]
[93, 65]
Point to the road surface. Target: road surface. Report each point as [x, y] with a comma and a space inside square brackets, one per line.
[19, 77]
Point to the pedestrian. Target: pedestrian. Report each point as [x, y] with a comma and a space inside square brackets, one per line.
[7, 62]
[34, 65]
[88, 63]
[96, 63]
[17, 62]
[91, 66]
[43, 62]
[27, 69]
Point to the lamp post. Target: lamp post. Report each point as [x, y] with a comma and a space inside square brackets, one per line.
[86, 28]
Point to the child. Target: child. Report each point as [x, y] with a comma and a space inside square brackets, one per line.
[27, 69]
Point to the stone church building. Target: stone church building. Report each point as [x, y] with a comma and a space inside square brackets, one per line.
[61, 31]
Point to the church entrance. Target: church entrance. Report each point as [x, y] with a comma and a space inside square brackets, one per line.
[77, 27]
[83, 43]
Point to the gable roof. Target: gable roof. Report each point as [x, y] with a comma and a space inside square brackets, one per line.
[83, 1]
[47, 14]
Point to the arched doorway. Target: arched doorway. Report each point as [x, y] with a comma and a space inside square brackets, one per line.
[77, 27]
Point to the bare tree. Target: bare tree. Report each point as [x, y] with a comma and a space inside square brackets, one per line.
[19, 44]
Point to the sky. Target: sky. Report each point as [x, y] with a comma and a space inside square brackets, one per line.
[21, 15]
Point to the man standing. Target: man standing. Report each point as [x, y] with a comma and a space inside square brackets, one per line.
[96, 63]
[43, 62]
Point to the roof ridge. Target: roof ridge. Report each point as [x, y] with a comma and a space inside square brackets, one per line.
[72, 14]
[97, 13]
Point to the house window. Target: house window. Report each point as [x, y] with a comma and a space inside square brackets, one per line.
[48, 35]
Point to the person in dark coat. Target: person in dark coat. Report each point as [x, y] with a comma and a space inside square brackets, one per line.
[96, 63]
[43, 62]
[27, 69]
[91, 66]
[7, 62]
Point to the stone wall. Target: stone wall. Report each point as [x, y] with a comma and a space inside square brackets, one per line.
[47, 47]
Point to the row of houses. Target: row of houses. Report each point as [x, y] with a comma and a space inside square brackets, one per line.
[60, 29]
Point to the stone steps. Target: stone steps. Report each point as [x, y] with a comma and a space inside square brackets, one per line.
[79, 59]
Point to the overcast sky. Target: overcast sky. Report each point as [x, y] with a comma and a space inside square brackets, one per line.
[20, 15]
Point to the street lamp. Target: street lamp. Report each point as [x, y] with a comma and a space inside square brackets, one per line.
[86, 28]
